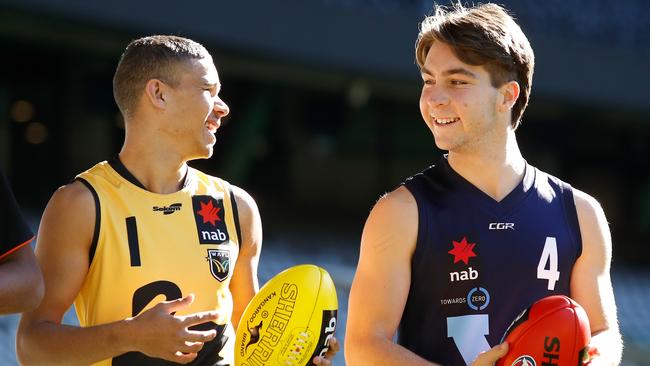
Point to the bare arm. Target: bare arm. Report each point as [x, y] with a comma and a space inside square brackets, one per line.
[62, 249]
[591, 285]
[378, 296]
[21, 282]
[65, 235]
[244, 283]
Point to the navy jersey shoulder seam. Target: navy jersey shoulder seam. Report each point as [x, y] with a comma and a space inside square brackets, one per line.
[414, 185]
[570, 212]
[571, 217]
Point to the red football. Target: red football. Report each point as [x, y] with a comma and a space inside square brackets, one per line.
[553, 331]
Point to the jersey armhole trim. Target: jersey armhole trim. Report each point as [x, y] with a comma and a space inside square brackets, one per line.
[420, 234]
[6, 254]
[571, 216]
[235, 215]
[98, 220]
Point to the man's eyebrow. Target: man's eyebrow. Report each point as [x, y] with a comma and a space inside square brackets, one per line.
[216, 85]
[424, 70]
[460, 70]
[454, 71]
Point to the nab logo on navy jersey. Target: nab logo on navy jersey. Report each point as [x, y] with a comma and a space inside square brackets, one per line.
[209, 217]
[462, 251]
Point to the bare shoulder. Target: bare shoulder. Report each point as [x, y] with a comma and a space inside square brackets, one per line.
[399, 199]
[587, 206]
[249, 219]
[396, 208]
[70, 214]
[249, 215]
[73, 195]
[392, 223]
[591, 217]
[594, 229]
[245, 202]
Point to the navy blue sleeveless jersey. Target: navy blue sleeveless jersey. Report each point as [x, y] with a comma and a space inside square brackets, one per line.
[478, 262]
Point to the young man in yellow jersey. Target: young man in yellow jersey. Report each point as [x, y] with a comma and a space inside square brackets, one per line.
[159, 259]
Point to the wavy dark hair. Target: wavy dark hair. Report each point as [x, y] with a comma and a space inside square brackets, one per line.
[484, 35]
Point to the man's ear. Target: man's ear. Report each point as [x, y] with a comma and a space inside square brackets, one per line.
[155, 93]
[509, 93]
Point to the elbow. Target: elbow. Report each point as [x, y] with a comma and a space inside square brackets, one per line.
[29, 344]
[35, 294]
[24, 358]
[609, 345]
[353, 351]
[33, 291]
[369, 349]
[26, 287]
[23, 354]
[26, 347]
[24, 294]
[351, 357]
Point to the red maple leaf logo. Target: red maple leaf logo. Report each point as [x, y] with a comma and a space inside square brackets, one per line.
[209, 213]
[462, 251]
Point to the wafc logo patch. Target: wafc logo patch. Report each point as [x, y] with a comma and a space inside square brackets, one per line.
[219, 263]
[210, 219]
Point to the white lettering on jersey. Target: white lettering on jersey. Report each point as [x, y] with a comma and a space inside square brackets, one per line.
[501, 226]
[470, 274]
[213, 235]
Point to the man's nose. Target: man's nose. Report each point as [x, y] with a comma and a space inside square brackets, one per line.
[221, 109]
[437, 97]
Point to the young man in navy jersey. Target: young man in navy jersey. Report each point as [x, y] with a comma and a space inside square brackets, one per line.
[21, 282]
[450, 257]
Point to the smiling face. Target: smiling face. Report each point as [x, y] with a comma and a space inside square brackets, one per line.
[459, 103]
[195, 109]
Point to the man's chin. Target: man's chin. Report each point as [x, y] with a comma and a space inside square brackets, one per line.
[203, 154]
[207, 154]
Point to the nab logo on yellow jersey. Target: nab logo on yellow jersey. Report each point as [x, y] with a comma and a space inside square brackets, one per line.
[209, 217]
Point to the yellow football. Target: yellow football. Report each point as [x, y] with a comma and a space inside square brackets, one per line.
[290, 321]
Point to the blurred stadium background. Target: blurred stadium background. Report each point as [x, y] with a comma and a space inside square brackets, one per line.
[324, 115]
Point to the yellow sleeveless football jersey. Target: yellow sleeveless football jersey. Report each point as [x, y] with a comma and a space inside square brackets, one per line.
[150, 247]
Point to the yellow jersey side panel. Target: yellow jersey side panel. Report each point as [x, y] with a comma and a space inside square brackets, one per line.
[153, 247]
